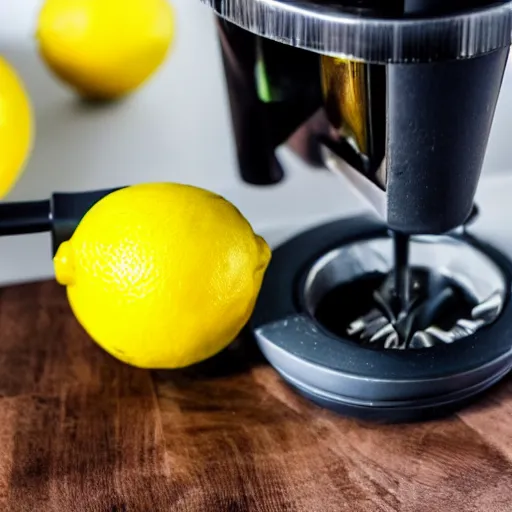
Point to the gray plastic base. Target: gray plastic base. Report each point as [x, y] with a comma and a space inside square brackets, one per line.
[399, 411]
[380, 385]
[412, 412]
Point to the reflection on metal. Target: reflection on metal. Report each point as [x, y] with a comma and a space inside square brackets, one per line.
[355, 102]
[345, 88]
[327, 29]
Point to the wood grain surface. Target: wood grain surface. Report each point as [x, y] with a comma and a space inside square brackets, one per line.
[80, 431]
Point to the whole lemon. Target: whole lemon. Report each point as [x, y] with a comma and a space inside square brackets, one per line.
[105, 49]
[16, 127]
[162, 275]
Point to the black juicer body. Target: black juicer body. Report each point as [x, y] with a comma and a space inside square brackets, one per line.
[413, 118]
[399, 97]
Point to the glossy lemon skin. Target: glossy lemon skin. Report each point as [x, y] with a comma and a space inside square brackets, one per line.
[16, 127]
[105, 49]
[163, 275]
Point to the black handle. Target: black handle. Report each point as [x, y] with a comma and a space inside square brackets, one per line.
[25, 217]
[60, 215]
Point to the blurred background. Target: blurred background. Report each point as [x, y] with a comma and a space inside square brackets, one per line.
[176, 128]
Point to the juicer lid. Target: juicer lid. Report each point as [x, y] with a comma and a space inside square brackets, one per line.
[330, 30]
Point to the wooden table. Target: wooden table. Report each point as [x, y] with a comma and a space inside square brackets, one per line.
[80, 431]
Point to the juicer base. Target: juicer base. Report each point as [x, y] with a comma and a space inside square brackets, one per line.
[407, 412]
[380, 385]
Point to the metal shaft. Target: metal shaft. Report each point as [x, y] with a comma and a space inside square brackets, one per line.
[401, 270]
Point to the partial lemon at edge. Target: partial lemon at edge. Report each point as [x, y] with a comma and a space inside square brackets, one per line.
[16, 127]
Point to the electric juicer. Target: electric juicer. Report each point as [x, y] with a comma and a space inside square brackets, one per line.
[402, 315]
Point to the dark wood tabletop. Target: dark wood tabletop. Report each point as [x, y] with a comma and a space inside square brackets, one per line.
[80, 431]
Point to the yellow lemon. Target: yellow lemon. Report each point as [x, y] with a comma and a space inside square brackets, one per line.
[16, 125]
[105, 49]
[162, 275]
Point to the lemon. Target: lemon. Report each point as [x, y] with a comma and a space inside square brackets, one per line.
[16, 126]
[162, 275]
[104, 49]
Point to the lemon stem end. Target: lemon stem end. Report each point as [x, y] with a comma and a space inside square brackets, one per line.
[64, 265]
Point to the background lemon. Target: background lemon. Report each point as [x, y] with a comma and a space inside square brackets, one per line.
[163, 275]
[105, 49]
[16, 125]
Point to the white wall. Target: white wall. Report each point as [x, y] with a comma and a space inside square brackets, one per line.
[168, 127]
[177, 129]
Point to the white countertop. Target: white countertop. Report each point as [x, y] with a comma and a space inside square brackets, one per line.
[178, 129]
